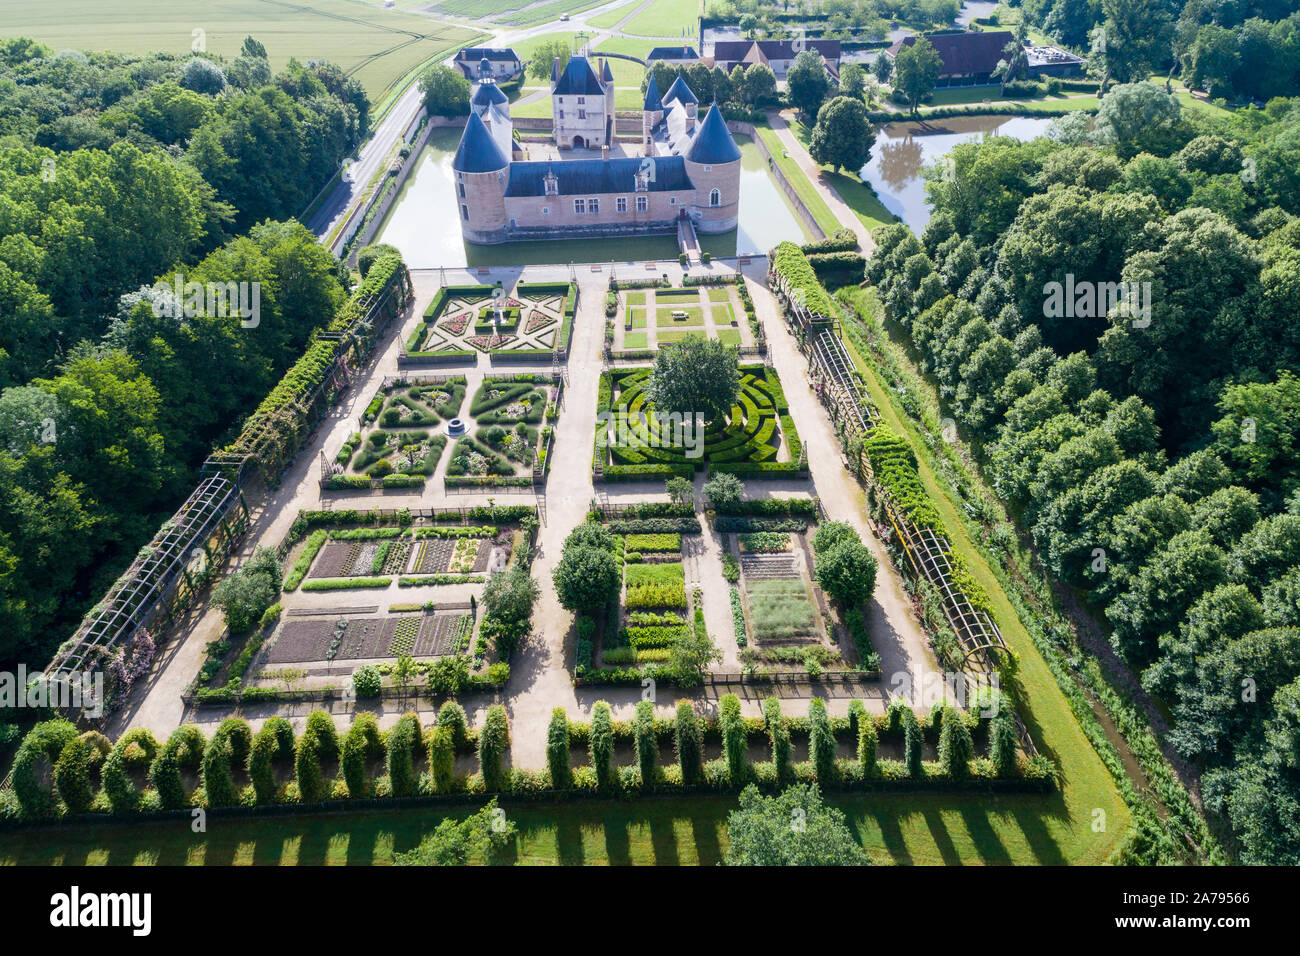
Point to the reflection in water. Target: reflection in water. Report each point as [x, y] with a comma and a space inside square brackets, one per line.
[903, 150]
[423, 223]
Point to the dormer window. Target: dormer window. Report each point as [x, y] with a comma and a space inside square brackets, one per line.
[582, 101]
[552, 184]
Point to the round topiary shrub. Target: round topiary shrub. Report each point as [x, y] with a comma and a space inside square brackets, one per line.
[132, 753]
[34, 763]
[366, 681]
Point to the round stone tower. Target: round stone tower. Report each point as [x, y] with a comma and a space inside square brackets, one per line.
[481, 169]
[713, 165]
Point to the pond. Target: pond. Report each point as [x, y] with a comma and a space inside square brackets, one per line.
[423, 222]
[902, 150]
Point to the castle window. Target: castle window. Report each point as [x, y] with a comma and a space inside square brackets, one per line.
[672, 200]
[642, 203]
[620, 204]
[561, 114]
[593, 206]
[582, 114]
[546, 210]
[464, 211]
[582, 101]
[708, 169]
[462, 190]
[715, 198]
[580, 206]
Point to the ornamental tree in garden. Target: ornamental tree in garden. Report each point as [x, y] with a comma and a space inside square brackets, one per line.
[697, 376]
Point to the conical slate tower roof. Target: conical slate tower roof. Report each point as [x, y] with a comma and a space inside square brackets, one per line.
[606, 74]
[712, 143]
[487, 94]
[477, 152]
[681, 92]
[653, 101]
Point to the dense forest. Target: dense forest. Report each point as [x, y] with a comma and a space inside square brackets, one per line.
[1151, 455]
[117, 171]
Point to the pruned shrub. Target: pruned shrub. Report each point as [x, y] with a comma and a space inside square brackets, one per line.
[600, 744]
[733, 738]
[493, 741]
[361, 744]
[821, 742]
[647, 748]
[442, 758]
[557, 749]
[778, 732]
[72, 775]
[273, 742]
[403, 749]
[955, 746]
[134, 750]
[452, 716]
[687, 740]
[42, 747]
[911, 741]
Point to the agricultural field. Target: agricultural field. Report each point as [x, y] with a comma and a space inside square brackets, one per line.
[378, 47]
[665, 18]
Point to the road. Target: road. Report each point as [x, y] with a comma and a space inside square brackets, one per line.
[344, 199]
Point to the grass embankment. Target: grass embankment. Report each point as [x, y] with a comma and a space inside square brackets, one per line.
[805, 189]
[1087, 785]
[895, 828]
[852, 190]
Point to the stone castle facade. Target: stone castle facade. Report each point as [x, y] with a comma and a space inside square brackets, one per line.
[689, 167]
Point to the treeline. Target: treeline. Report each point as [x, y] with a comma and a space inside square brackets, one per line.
[114, 168]
[1152, 463]
[1248, 49]
[59, 772]
[116, 171]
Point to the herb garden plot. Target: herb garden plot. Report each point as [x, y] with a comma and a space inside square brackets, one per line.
[371, 556]
[443, 634]
[401, 438]
[781, 611]
[757, 436]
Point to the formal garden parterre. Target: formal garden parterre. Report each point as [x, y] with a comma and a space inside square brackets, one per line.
[533, 321]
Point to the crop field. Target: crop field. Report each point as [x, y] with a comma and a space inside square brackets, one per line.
[376, 46]
[665, 18]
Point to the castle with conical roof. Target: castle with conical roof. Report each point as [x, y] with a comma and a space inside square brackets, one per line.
[687, 165]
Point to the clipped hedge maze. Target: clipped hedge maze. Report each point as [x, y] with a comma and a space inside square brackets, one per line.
[757, 439]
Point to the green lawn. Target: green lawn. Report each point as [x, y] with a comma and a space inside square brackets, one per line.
[729, 336]
[379, 47]
[853, 192]
[723, 314]
[719, 295]
[636, 297]
[1086, 784]
[665, 18]
[668, 336]
[606, 20]
[635, 340]
[909, 828]
[664, 316]
[807, 192]
[636, 318]
[547, 12]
